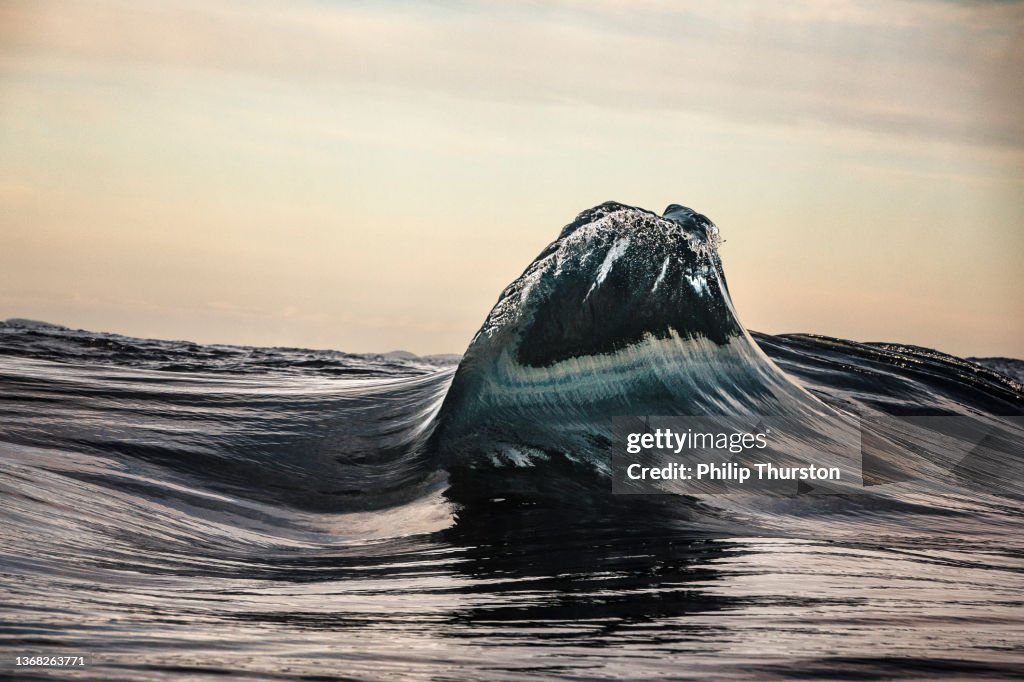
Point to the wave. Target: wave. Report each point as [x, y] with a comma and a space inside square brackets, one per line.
[628, 313]
[625, 313]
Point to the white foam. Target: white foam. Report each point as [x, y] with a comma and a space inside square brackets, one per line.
[698, 283]
[614, 253]
[661, 275]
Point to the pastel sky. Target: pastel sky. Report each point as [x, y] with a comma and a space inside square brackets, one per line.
[369, 175]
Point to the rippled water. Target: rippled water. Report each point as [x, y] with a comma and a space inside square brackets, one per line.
[173, 511]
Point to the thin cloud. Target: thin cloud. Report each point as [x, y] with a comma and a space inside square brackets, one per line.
[944, 70]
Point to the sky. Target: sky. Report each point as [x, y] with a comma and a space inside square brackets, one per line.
[368, 176]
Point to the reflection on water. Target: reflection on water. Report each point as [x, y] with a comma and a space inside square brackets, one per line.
[510, 592]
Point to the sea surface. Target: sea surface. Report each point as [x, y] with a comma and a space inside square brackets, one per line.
[170, 510]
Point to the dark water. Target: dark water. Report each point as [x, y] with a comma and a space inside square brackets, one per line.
[176, 511]
[167, 522]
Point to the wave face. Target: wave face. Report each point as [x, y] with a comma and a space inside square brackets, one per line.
[626, 313]
[173, 510]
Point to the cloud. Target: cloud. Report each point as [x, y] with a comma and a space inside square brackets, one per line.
[941, 70]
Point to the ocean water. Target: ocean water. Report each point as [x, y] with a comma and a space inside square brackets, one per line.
[176, 511]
